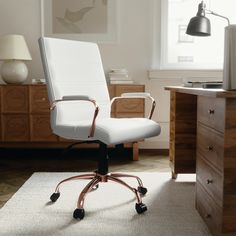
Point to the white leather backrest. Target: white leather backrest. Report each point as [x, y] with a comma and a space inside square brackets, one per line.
[74, 68]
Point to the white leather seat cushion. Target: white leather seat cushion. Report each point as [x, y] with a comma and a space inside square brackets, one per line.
[111, 130]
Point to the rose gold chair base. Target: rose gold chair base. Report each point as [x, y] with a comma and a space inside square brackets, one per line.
[95, 178]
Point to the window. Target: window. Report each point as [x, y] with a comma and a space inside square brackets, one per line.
[181, 51]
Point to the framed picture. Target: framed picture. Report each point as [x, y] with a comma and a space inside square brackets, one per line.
[86, 20]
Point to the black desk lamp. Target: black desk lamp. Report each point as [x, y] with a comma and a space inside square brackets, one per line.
[200, 25]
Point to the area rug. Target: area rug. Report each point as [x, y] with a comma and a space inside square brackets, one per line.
[110, 210]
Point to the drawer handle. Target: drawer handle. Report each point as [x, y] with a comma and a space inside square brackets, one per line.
[211, 111]
[43, 99]
[210, 148]
[207, 216]
[209, 181]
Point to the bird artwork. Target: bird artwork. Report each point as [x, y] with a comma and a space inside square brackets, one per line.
[75, 16]
[72, 17]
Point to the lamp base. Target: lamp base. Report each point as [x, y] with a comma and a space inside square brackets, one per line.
[14, 72]
[229, 71]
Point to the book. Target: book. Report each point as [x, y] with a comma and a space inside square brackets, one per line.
[204, 84]
[123, 70]
[121, 81]
[119, 76]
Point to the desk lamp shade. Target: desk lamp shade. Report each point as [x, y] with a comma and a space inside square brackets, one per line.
[13, 51]
[199, 25]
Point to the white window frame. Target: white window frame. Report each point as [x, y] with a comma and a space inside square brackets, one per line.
[164, 64]
[157, 70]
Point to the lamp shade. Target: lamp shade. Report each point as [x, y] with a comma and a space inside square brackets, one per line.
[14, 47]
[199, 26]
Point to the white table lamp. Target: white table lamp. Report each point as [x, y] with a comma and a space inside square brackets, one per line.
[13, 51]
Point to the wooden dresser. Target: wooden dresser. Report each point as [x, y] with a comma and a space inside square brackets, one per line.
[204, 136]
[210, 161]
[25, 118]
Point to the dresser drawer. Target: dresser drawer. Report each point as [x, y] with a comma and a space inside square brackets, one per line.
[210, 179]
[211, 145]
[210, 212]
[40, 129]
[38, 99]
[15, 128]
[132, 104]
[211, 112]
[16, 99]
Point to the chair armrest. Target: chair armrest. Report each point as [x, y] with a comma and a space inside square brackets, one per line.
[138, 95]
[80, 98]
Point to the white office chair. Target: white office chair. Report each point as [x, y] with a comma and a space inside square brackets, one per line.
[80, 110]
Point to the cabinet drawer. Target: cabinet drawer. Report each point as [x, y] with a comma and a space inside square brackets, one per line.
[16, 99]
[211, 145]
[210, 179]
[210, 212]
[129, 115]
[39, 99]
[111, 90]
[211, 112]
[15, 128]
[40, 129]
[129, 105]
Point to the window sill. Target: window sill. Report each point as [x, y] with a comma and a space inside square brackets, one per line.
[185, 74]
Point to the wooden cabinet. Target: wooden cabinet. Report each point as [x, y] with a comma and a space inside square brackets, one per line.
[210, 161]
[14, 109]
[205, 135]
[25, 117]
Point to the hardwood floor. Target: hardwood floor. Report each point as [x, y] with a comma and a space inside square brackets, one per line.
[17, 165]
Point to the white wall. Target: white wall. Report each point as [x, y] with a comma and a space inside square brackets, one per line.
[23, 17]
[133, 51]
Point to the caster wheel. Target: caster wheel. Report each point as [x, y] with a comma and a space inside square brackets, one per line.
[142, 190]
[54, 196]
[95, 187]
[78, 214]
[140, 208]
